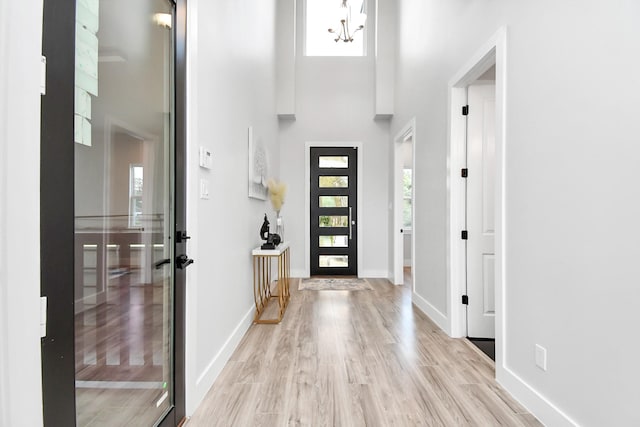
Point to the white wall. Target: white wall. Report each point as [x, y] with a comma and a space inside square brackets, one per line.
[20, 47]
[334, 99]
[573, 79]
[337, 109]
[231, 87]
[406, 244]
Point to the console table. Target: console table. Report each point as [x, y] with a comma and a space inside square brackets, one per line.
[262, 260]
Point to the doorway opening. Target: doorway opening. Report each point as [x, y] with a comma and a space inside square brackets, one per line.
[480, 212]
[356, 215]
[476, 198]
[334, 207]
[403, 227]
[112, 205]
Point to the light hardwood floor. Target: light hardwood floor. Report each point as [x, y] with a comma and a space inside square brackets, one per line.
[364, 358]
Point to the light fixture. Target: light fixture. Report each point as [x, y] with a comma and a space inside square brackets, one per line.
[345, 30]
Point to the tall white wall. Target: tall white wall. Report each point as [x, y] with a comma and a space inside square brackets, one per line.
[335, 102]
[573, 80]
[231, 51]
[20, 47]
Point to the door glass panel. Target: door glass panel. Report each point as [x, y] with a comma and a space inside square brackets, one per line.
[333, 181]
[124, 147]
[333, 161]
[333, 221]
[333, 241]
[337, 261]
[333, 201]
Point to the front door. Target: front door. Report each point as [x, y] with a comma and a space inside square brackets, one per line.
[113, 350]
[480, 211]
[334, 231]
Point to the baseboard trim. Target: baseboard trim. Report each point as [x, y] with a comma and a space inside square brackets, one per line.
[299, 273]
[538, 405]
[210, 373]
[431, 312]
[374, 274]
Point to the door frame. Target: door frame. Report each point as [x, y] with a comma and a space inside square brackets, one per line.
[408, 131]
[492, 52]
[307, 205]
[57, 223]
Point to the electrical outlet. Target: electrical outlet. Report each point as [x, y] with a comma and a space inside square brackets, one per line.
[541, 357]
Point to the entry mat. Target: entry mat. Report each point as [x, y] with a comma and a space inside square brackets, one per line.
[334, 284]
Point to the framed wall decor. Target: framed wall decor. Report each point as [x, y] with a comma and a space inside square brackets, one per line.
[258, 167]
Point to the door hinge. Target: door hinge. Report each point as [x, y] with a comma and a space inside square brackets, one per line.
[43, 75]
[465, 299]
[464, 172]
[465, 110]
[464, 235]
[43, 317]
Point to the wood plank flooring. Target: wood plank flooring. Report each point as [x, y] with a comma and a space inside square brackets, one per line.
[362, 358]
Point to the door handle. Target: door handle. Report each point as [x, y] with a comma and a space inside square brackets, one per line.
[162, 262]
[350, 225]
[183, 261]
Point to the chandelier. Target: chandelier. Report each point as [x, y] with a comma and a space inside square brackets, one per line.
[345, 28]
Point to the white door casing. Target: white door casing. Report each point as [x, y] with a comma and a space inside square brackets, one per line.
[481, 163]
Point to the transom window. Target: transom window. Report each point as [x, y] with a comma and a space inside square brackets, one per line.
[322, 15]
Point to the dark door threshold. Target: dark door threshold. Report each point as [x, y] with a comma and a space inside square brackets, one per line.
[486, 345]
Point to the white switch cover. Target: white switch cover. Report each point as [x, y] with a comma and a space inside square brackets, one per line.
[541, 357]
[206, 158]
[204, 189]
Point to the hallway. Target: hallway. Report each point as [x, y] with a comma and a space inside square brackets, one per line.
[356, 358]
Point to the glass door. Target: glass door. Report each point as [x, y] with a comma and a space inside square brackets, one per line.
[334, 209]
[124, 128]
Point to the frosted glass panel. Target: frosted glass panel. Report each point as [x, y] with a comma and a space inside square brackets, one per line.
[333, 182]
[333, 162]
[334, 221]
[334, 241]
[333, 201]
[334, 261]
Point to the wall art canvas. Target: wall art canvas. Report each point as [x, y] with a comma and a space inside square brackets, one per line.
[258, 167]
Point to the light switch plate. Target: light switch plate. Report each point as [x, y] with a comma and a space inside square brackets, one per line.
[206, 158]
[541, 357]
[204, 189]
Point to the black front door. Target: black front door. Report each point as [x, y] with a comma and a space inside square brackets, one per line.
[113, 212]
[334, 209]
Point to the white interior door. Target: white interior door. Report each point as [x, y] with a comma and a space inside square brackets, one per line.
[480, 211]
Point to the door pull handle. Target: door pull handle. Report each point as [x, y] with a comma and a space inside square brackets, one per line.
[162, 262]
[350, 224]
